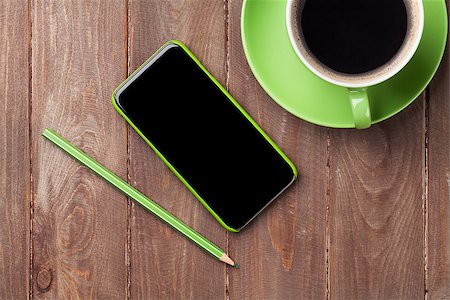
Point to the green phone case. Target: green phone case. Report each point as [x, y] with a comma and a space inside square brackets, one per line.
[161, 156]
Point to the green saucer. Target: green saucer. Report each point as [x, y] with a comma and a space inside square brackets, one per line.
[287, 80]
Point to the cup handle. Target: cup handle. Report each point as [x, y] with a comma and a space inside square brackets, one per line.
[360, 107]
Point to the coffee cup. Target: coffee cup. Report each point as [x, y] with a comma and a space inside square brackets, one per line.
[355, 43]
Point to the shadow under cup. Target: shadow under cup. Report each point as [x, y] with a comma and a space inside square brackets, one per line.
[355, 44]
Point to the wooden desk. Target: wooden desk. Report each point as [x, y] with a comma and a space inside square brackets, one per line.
[369, 216]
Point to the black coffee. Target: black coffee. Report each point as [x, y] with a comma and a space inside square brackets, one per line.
[353, 36]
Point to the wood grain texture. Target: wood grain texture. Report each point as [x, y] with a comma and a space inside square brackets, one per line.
[14, 150]
[163, 263]
[79, 222]
[388, 218]
[438, 201]
[376, 215]
[282, 253]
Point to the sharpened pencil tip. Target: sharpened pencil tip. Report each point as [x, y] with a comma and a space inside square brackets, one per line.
[236, 266]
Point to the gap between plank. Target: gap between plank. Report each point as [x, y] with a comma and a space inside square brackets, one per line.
[30, 145]
[226, 10]
[327, 215]
[129, 202]
[425, 191]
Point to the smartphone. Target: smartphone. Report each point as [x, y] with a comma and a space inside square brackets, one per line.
[204, 136]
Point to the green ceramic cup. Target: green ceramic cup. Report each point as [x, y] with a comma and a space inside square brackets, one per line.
[357, 84]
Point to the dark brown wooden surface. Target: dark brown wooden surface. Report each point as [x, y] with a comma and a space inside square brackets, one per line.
[376, 209]
[79, 222]
[368, 218]
[14, 150]
[437, 230]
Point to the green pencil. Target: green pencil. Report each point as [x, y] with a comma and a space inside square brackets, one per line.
[140, 198]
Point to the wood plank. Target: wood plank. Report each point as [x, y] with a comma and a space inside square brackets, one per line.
[438, 202]
[164, 264]
[282, 253]
[376, 215]
[79, 221]
[14, 150]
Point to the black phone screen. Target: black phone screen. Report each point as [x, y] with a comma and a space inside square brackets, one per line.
[204, 136]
